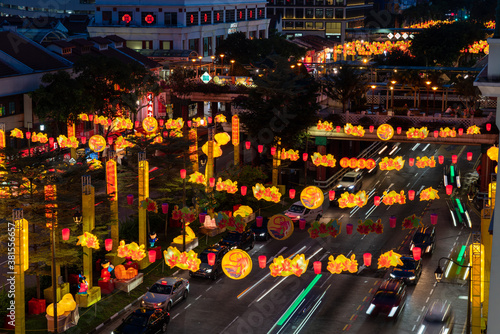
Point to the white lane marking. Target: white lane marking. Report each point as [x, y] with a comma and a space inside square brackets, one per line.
[208, 288]
[329, 276]
[276, 255]
[423, 308]
[413, 329]
[175, 316]
[230, 324]
[432, 290]
[426, 301]
[187, 306]
[220, 279]
[274, 286]
[324, 255]
[349, 253]
[175, 273]
[198, 297]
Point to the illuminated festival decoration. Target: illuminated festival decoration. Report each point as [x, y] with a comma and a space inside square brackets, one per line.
[473, 130]
[385, 132]
[122, 143]
[352, 130]
[236, 264]
[327, 126]
[97, 143]
[222, 138]
[149, 205]
[394, 198]
[414, 133]
[197, 178]
[220, 118]
[389, 259]
[132, 251]
[233, 223]
[312, 197]
[16, 133]
[342, 263]
[64, 142]
[88, 240]
[323, 160]
[318, 229]
[120, 124]
[83, 117]
[348, 200]
[40, 137]
[285, 267]
[492, 153]
[391, 163]
[229, 186]
[369, 226]
[425, 162]
[429, 194]
[412, 222]
[447, 132]
[292, 155]
[271, 194]
[149, 124]
[243, 211]
[280, 227]
[184, 260]
[357, 163]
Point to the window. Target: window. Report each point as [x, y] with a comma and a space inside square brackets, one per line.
[339, 13]
[218, 16]
[333, 27]
[206, 18]
[218, 40]
[280, 2]
[329, 2]
[251, 14]
[192, 19]
[329, 13]
[288, 24]
[207, 46]
[299, 2]
[299, 24]
[299, 13]
[147, 45]
[106, 17]
[289, 13]
[194, 44]
[320, 2]
[319, 13]
[262, 34]
[309, 2]
[166, 45]
[319, 25]
[309, 13]
[12, 108]
[148, 18]
[339, 2]
[134, 45]
[261, 13]
[230, 15]
[309, 25]
[171, 19]
[240, 15]
[289, 2]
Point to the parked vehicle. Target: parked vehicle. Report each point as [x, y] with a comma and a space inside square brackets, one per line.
[298, 211]
[233, 240]
[144, 321]
[166, 292]
[206, 270]
[389, 299]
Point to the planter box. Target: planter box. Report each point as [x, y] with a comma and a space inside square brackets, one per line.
[92, 296]
[129, 284]
[36, 306]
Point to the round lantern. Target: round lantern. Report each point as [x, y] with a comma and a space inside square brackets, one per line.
[469, 156]
[304, 156]
[449, 189]
[349, 228]
[367, 259]
[164, 208]
[97, 143]
[152, 256]
[460, 131]
[280, 227]
[411, 195]
[317, 267]
[259, 221]
[331, 195]
[454, 158]
[417, 253]
[372, 128]
[183, 173]
[441, 159]
[392, 221]
[243, 190]
[247, 145]
[411, 162]
[434, 218]
[260, 148]
[312, 197]
[291, 193]
[65, 234]
[376, 200]
[337, 128]
[211, 181]
[236, 264]
[385, 132]
[398, 130]
[84, 140]
[488, 126]
[108, 244]
[273, 150]
[262, 261]
[130, 199]
[436, 133]
[211, 258]
[302, 224]
[202, 217]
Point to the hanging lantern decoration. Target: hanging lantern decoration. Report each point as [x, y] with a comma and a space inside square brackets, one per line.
[260, 148]
[273, 150]
[262, 261]
[259, 221]
[449, 189]
[411, 195]
[28, 135]
[304, 156]
[376, 200]
[211, 258]
[110, 140]
[65, 234]
[417, 253]
[441, 159]
[460, 131]
[152, 255]
[83, 139]
[302, 224]
[434, 218]
[392, 221]
[349, 228]
[108, 244]
[202, 217]
[247, 145]
[91, 117]
[372, 128]
[183, 173]
[411, 162]
[454, 158]
[136, 123]
[51, 141]
[160, 121]
[436, 133]
[337, 128]
[488, 126]
[164, 208]
[291, 193]
[398, 130]
[331, 195]
[243, 190]
[211, 182]
[469, 156]
[189, 123]
[317, 267]
[165, 134]
[367, 259]
[130, 199]
[209, 120]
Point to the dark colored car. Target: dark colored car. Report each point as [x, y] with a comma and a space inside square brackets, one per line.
[166, 292]
[409, 272]
[425, 238]
[261, 233]
[206, 270]
[439, 319]
[389, 299]
[233, 240]
[144, 321]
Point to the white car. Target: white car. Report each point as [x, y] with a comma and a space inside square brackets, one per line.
[298, 211]
[350, 182]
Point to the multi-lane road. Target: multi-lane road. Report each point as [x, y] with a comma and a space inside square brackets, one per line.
[261, 303]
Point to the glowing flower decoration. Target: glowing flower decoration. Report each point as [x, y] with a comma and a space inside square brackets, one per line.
[94, 164]
[429, 194]
[176, 213]
[64, 142]
[16, 133]
[414, 133]
[327, 126]
[222, 138]
[188, 214]
[447, 132]
[83, 117]
[217, 151]
[88, 240]
[271, 194]
[132, 250]
[412, 222]
[348, 200]
[120, 124]
[235, 223]
[391, 164]
[493, 153]
[389, 259]
[285, 267]
[290, 154]
[122, 143]
[184, 260]
[332, 228]
[174, 124]
[352, 130]
[369, 226]
[323, 160]
[149, 205]
[342, 263]
[41, 137]
[220, 118]
[394, 198]
[425, 162]
[473, 130]
[243, 211]
[229, 186]
[197, 178]
[197, 121]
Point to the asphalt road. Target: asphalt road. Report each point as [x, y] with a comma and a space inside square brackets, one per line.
[337, 303]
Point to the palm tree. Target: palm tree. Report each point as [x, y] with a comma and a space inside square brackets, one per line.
[344, 86]
[410, 79]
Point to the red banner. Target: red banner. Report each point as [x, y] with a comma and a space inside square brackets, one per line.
[235, 130]
[71, 130]
[111, 180]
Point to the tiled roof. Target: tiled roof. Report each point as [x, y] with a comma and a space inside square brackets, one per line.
[82, 42]
[141, 58]
[6, 70]
[100, 40]
[115, 38]
[62, 44]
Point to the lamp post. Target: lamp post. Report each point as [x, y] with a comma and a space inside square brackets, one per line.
[194, 61]
[200, 58]
[434, 88]
[427, 83]
[215, 70]
[222, 63]
[439, 275]
[393, 82]
[373, 95]
[183, 176]
[30, 125]
[232, 67]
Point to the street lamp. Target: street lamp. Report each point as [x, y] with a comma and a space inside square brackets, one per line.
[200, 58]
[183, 177]
[392, 99]
[215, 70]
[232, 66]
[427, 83]
[439, 276]
[373, 95]
[222, 64]
[434, 88]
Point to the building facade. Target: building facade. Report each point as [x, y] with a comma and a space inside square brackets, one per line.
[41, 9]
[185, 25]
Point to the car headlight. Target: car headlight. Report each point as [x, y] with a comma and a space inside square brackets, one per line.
[158, 304]
[428, 249]
[209, 270]
[370, 309]
[263, 234]
[411, 278]
[393, 311]
[351, 187]
[234, 247]
[339, 186]
[392, 275]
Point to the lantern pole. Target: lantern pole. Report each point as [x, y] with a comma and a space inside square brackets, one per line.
[305, 161]
[88, 224]
[143, 194]
[20, 230]
[54, 272]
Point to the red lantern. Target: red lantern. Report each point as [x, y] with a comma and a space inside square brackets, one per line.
[109, 122]
[160, 121]
[28, 135]
[367, 259]
[110, 140]
[136, 123]
[260, 148]
[291, 193]
[469, 156]
[108, 244]
[183, 173]
[460, 131]
[201, 217]
[91, 117]
[434, 218]
[247, 145]
[211, 181]
[211, 258]
[412, 162]
[96, 120]
[164, 208]
[488, 126]
[302, 224]
[398, 129]
[348, 228]
[376, 200]
[331, 195]
[130, 199]
[65, 233]
[259, 221]
[304, 156]
[392, 221]
[441, 159]
[262, 261]
[337, 128]
[454, 158]
[243, 190]
[417, 253]
[372, 128]
[411, 194]
[51, 142]
[189, 123]
[152, 255]
[449, 189]
[317, 267]
[84, 140]
[436, 134]
[273, 150]
[209, 120]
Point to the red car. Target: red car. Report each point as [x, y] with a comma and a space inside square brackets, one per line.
[389, 299]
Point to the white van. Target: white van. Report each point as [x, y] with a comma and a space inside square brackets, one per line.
[299, 211]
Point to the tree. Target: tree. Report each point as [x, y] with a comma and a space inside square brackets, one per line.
[345, 85]
[283, 105]
[410, 79]
[466, 91]
[483, 10]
